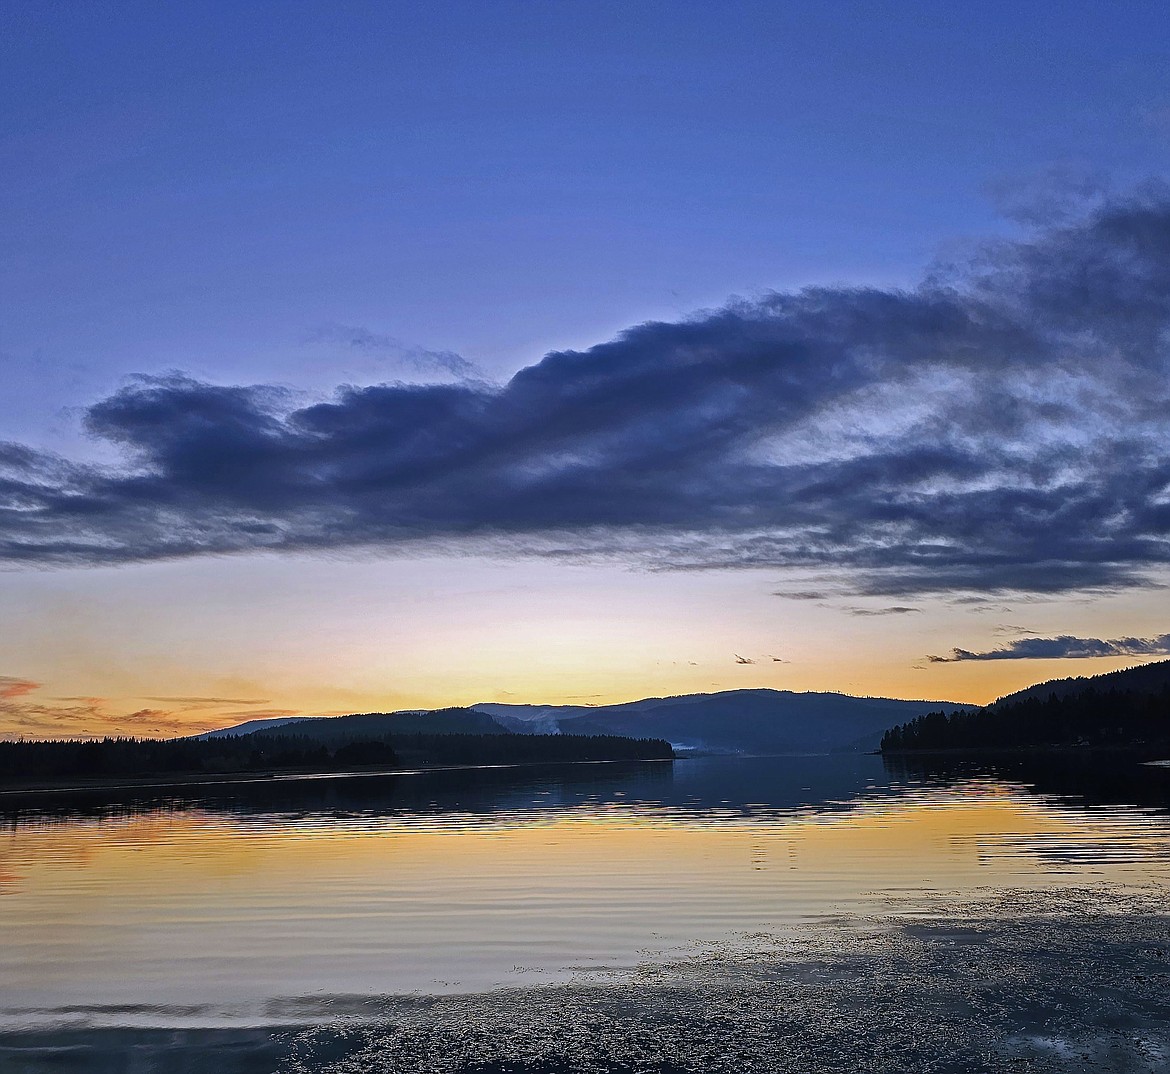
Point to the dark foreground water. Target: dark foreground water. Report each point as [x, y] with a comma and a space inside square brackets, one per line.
[729, 914]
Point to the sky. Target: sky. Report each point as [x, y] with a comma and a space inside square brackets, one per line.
[361, 356]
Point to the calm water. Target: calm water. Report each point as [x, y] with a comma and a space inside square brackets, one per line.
[260, 905]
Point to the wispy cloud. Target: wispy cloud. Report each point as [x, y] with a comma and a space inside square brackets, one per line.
[1064, 647]
[1013, 630]
[91, 719]
[386, 347]
[1003, 426]
[22, 716]
[11, 687]
[202, 702]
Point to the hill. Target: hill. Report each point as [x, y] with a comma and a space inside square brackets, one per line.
[371, 725]
[1127, 709]
[1143, 679]
[733, 721]
[252, 726]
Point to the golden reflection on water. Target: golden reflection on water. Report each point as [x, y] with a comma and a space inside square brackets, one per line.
[193, 907]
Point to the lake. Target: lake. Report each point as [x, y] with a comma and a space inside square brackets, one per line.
[716, 913]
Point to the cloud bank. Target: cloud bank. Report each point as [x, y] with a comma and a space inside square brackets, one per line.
[1003, 426]
[1064, 647]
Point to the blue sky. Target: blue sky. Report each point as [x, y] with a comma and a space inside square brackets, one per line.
[214, 187]
[313, 195]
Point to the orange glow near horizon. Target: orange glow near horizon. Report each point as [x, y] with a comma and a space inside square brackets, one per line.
[177, 648]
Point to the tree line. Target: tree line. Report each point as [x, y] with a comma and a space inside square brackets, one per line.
[136, 758]
[1101, 718]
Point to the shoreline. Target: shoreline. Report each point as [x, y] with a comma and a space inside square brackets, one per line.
[221, 779]
[1133, 752]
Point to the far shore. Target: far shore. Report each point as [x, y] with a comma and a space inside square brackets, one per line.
[215, 779]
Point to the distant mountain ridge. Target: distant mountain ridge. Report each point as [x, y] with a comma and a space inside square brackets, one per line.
[335, 729]
[250, 727]
[733, 721]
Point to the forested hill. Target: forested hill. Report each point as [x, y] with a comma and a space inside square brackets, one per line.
[1122, 710]
[1144, 679]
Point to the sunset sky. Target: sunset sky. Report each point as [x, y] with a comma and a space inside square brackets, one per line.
[369, 356]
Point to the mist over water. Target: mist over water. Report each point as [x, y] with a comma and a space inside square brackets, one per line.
[398, 900]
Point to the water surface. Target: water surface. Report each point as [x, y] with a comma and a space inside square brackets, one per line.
[279, 904]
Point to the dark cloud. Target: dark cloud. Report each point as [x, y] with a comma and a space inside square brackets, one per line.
[895, 609]
[1003, 427]
[1064, 647]
[743, 659]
